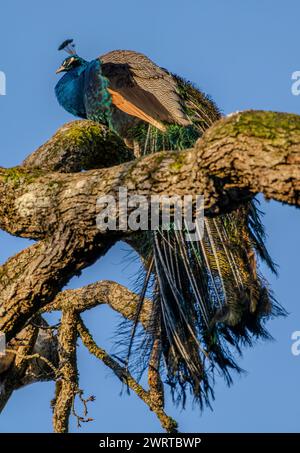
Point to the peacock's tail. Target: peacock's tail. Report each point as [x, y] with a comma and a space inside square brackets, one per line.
[208, 295]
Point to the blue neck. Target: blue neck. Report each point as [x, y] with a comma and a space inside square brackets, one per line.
[70, 90]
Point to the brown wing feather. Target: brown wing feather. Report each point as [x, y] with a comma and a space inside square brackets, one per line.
[144, 85]
[119, 101]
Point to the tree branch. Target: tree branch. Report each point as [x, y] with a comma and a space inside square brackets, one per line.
[122, 373]
[239, 156]
[79, 145]
[67, 383]
[32, 278]
[33, 358]
[21, 346]
[253, 151]
[117, 296]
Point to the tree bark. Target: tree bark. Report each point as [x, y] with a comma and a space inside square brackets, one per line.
[50, 199]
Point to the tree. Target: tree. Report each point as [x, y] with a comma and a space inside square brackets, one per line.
[48, 198]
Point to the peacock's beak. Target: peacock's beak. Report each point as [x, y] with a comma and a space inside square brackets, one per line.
[60, 69]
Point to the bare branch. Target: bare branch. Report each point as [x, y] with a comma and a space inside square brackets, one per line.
[20, 356]
[117, 296]
[67, 384]
[122, 373]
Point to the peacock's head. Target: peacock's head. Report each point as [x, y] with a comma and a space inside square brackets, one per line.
[73, 61]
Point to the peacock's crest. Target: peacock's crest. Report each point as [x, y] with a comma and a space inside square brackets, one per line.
[68, 46]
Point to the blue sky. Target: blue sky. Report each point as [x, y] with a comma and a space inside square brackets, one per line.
[242, 54]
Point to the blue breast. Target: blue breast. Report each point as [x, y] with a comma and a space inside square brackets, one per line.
[83, 92]
[70, 92]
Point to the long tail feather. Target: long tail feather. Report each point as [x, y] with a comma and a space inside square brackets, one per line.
[208, 296]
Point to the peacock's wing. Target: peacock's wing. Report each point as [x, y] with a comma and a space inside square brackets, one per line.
[141, 88]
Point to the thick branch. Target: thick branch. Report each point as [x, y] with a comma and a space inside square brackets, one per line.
[32, 278]
[239, 156]
[254, 151]
[79, 145]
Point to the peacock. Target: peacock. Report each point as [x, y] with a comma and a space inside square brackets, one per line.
[208, 296]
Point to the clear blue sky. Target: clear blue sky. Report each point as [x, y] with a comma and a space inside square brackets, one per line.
[243, 54]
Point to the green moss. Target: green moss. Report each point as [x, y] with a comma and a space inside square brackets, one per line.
[12, 175]
[264, 125]
[78, 134]
[179, 162]
[18, 175]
